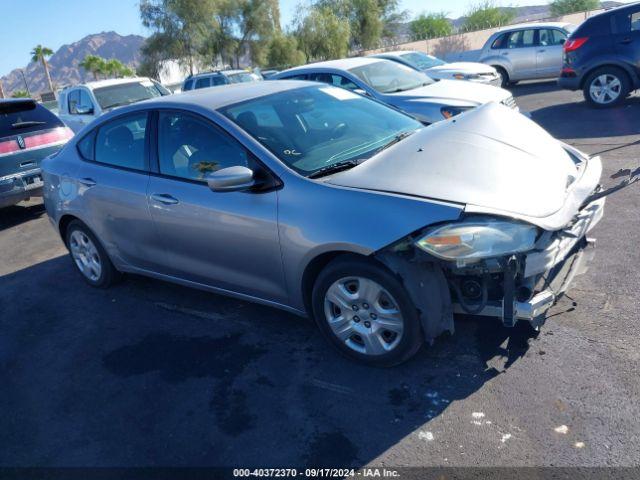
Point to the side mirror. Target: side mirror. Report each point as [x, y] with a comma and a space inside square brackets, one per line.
[84, 110]
[362, 92]
[231, 179]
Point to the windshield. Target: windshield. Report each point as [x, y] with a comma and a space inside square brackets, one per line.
[422, 60]
[243, 77]
[390, 77]
[126, 93]
[312, 128]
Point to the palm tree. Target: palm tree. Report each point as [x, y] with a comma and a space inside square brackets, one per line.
[93, 64]
[40, 54]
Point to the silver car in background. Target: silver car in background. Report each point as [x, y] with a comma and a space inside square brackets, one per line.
[440, 70]
[526, 52]
[401, 87]
[322, 202]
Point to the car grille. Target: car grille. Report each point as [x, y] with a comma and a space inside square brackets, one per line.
[510, 102]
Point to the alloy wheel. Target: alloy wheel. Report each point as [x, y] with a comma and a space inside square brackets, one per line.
[85, 255]
[363, 315]
[605, 89]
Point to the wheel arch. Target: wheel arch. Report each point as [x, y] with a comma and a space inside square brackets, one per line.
[633, 77]
[315, 266]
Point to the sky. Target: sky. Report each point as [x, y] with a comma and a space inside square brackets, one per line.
[52, 23]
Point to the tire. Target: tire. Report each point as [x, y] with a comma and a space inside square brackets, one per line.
[616, 82]
[504, 77]
[369, 295]
[89, 256]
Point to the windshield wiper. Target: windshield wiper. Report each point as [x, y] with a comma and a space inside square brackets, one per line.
[30, 123]
[398, 138]
[333, 168]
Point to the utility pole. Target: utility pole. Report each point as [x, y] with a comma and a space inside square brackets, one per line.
[26, 84]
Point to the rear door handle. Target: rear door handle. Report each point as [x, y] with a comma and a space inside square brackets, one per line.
[541, 51]
[87, 182]
[164, 198]
[625, 41]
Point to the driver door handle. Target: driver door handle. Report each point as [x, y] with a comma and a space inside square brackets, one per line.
[87, 182]
[164, 198]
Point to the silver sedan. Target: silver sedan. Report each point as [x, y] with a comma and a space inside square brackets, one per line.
[319, 201]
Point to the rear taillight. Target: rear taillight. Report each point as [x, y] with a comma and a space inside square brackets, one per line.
[52, 136]
[573, 44]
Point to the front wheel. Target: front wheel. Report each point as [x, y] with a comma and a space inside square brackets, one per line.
[606, 87]
[366, 313]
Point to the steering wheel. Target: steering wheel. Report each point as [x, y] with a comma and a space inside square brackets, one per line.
[339, 130]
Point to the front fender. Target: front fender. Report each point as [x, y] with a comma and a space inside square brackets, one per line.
[315, 218]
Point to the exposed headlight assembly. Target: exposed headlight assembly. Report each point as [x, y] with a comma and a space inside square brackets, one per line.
[449, 112]
[476, 239]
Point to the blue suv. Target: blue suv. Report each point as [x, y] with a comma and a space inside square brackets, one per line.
[602, 57]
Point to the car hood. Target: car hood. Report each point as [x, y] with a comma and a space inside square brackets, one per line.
[491, 159]
[468, 68]
[468, 92]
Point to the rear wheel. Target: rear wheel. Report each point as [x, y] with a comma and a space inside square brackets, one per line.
[366, 313]
[89, 257]
[606, 87]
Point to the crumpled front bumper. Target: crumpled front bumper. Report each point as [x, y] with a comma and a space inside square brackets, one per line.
[20, 186]
[548, 270]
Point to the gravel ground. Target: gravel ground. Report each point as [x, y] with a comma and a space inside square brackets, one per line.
[152, 374]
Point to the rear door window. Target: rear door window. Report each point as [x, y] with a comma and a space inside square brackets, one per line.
[121, 142]
[21, 117]
[522, 39]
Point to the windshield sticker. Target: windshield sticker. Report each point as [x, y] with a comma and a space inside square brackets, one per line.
[339, 93]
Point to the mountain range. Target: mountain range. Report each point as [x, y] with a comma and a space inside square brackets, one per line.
[63, 64]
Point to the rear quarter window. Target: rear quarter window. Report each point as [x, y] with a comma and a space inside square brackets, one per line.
[26, 117]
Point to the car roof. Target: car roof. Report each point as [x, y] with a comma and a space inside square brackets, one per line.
[110, 82]
[341, 64]
[394, 53]
[224, 95]
[520, 26]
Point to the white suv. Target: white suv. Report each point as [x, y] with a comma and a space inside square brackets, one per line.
[81, 104]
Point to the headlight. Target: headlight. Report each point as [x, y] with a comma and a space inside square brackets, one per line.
[449, 112]
[478, 238]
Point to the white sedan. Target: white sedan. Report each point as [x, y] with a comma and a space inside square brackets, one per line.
[441, 70]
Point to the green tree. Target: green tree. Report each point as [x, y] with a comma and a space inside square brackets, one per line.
[40, 54]
[181, 28]
[19, 94]
[322, 35]
[93, 64]
[430, 25]
[369, 20]
[486, 15]
[284, 52]
[564, 7]
[115, 68]
[256, 24]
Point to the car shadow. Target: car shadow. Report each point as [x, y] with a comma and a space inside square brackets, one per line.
[185, 377]
[561, 120]
[21, 213]
[534, 88]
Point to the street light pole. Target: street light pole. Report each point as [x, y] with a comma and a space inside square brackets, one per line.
[25, 81]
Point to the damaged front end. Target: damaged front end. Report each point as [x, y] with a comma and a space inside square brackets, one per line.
[491, 266]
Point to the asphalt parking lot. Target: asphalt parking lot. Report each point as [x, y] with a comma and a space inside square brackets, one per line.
[148, 373]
